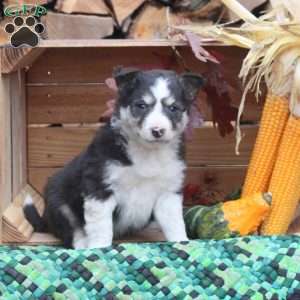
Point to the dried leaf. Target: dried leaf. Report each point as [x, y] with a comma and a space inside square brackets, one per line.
[110, 104]
[195, 42]
[219, 98]
[195, 120]
[111, 83]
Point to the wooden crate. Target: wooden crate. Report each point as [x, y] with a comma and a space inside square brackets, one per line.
[51, 98]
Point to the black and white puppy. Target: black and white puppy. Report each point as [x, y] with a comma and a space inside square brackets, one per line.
[133, 170]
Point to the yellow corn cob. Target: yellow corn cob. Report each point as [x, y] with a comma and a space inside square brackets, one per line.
[285, 180]
[273, 121]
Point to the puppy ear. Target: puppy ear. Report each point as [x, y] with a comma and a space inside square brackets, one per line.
[124, 76]
[191, 84]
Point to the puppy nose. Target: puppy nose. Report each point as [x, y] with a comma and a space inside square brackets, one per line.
[158, 132]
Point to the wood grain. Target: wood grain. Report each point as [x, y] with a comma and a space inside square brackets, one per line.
[79, 6]
[57, 65]
[150, 234]
[123, 9]
[67, 104]
[63, 26]
[4, 36]
[51, 74]
[85, 104]
[15, 225]
[20, 2]
[37, 177]
[13, 59]
[19, 145]
[212, 178]
[5, 147]
[207, 147]
[117, 43]
[54, 146]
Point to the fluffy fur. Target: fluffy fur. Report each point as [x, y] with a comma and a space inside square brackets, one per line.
[133, 170]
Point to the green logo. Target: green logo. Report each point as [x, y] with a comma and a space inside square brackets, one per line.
[25, 27]
[24, 10]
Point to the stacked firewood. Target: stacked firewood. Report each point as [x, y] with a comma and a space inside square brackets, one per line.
[138, 19]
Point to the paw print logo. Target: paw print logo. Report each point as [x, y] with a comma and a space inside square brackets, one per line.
[24, 32]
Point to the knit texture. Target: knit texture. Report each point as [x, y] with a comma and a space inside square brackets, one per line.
[236, 268]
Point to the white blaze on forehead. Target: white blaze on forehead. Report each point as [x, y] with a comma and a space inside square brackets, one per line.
[148, 99]
[156, 118]
[169, 101]
[160, 89]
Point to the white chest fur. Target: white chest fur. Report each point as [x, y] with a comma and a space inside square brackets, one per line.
[137, 187]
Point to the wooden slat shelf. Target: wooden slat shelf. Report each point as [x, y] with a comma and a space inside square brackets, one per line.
[149, 234]
[72, 43]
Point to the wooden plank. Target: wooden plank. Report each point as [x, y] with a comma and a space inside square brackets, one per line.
[63, 26]
[123, 9]
[57, 65]
[4, 36]
[86, 79]
[150, 234]
[15, 225]
[118, 43]
[209, 148]
[85, 104]
[79, 6]
[5, 147]
[19, 146]
[20, 2]
[210, 178]
[38, 238]
[37, 177]
[13, 59]
[54, 146]
[67, 104]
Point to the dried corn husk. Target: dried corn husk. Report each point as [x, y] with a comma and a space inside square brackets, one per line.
[273, 41]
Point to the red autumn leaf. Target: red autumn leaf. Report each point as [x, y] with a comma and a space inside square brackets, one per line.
[219, 98]
[191, 190]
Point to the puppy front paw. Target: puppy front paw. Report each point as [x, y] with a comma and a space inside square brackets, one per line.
[98, 244]
[178, 239]
[80, 244]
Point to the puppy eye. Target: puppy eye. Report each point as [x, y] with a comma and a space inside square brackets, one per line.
[141, 105]
[173, 108]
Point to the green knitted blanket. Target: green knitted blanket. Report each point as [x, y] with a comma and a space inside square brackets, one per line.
[237, 268]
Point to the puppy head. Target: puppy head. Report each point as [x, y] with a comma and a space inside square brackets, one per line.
[154, 105]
